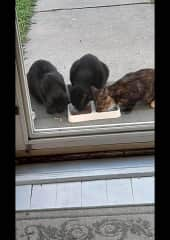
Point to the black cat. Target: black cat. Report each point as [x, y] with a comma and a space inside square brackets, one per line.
[86, 72]
[47, 86]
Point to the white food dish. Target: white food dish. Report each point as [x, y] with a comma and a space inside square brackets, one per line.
[93, 115]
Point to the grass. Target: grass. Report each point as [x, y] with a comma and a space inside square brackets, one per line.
[24, 11]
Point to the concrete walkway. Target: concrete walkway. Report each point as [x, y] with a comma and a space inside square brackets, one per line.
[119, 32]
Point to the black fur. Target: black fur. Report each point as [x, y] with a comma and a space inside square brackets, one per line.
[47, 86]
[86, 72]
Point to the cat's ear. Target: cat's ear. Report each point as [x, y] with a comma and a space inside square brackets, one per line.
[106, 91]
[94, 91]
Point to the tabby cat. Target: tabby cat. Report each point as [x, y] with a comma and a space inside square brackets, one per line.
[127, 91]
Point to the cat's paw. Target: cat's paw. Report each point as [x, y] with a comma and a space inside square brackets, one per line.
[152, 104]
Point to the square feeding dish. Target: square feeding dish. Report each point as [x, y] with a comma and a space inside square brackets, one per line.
[90, 113]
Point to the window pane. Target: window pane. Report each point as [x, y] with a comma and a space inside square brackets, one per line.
[119, 33]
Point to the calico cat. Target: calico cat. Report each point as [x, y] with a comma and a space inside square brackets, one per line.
[127, 91]
[86, 72]
[103, 101]
[47, 86]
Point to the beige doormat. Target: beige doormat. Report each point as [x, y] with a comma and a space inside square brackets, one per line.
[102, 223]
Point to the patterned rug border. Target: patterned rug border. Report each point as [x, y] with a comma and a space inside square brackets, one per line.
[95, 223]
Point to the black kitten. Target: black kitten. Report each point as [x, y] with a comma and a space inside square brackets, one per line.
[47, 86]
[86, 72]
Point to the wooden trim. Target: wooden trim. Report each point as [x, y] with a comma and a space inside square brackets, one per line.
[84, 152]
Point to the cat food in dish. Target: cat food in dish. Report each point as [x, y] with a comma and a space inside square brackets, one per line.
[74, 111]
[91, 114]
